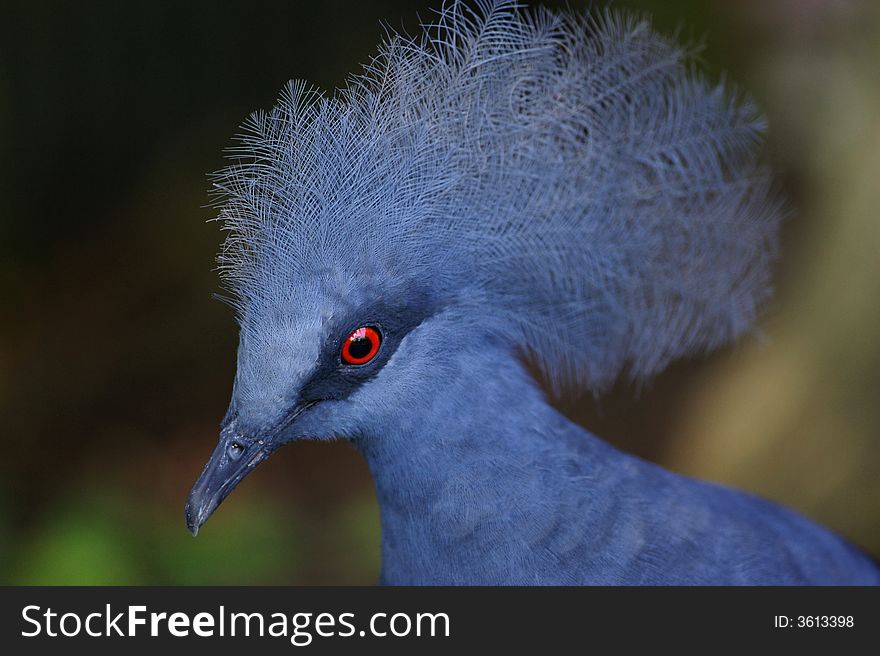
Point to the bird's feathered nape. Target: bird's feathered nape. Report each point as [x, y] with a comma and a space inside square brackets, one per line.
[570, 177]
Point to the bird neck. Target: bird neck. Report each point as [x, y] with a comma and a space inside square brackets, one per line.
[487, 481]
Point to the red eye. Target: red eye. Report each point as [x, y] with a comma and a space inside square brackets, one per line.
[361, 346]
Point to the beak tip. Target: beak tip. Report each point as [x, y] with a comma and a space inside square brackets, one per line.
[192, 520]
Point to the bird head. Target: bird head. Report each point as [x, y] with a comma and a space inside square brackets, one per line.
[331, 365]
[562, 189]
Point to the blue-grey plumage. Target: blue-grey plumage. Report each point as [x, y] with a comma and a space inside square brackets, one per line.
[510, 186]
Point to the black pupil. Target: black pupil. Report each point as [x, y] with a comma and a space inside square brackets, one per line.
[360, 347]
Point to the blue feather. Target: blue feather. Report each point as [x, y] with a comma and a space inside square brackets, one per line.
[576, 156]
[507, 185]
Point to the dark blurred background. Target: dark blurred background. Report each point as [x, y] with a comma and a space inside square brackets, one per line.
[116, 364]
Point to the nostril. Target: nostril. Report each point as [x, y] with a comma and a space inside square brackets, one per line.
[235, 450]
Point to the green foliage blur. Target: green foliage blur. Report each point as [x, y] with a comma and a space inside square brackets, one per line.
[116, 363]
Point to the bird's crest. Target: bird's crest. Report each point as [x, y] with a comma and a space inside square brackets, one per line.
[570, 177]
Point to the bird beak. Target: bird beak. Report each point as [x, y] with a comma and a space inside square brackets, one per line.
[234, 457]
